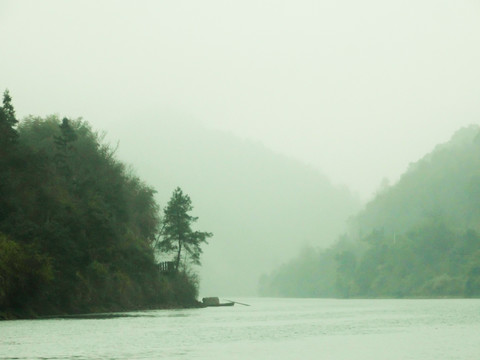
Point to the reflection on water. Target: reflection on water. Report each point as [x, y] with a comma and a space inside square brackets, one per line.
[269, 329]
[95, 316]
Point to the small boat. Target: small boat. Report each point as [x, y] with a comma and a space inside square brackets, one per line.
[225, 304]
[214, 301]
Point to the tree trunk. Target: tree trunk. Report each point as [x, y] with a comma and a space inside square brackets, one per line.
[177, 262]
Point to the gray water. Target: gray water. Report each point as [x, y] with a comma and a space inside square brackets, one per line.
[268, 329]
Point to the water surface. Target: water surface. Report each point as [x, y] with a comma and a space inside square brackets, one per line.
[268, 329]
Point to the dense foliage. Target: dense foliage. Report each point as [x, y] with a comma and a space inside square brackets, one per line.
[77, 228]
[418, 238]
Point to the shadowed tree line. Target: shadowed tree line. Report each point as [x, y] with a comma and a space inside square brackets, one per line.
[78, 229]
[418, 238]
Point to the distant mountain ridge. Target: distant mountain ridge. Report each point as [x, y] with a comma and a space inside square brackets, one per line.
[261, 207]
[443, 183]
[417, 238]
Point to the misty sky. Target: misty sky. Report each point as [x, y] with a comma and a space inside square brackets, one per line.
[357, 89]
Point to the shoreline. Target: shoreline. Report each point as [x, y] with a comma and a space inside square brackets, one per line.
[106, 313]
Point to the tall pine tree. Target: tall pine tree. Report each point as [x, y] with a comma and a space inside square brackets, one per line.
[177, 234]
[8, 123]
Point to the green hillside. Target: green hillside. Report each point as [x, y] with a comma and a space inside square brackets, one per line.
[77, 227]
[417, 238]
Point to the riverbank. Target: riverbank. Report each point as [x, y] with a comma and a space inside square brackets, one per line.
[98, 313]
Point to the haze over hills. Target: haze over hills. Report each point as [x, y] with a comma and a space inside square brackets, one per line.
[443, 184]
[419, 237]
[261, 207]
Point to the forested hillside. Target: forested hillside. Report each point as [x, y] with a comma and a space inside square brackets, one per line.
[417, 238]
[77, 228]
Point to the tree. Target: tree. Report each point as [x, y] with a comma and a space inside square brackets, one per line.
[8, 133]
[63, 144]
[8, 155]
[176, 233]
[8, 109]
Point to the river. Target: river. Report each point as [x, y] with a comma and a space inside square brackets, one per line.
[268, 329]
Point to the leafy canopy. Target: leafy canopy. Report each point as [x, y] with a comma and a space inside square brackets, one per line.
[176, 234]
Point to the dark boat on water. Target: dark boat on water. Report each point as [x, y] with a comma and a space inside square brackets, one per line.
[214, 301]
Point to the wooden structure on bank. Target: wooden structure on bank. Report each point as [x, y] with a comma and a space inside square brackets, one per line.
[167, 267]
